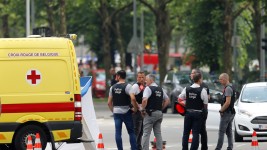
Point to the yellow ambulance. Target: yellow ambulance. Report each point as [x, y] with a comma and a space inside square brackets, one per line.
[39, 91]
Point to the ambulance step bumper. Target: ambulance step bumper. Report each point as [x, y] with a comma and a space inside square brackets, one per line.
[79, 140]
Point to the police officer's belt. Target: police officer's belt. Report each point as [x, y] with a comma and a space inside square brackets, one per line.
[193, 110]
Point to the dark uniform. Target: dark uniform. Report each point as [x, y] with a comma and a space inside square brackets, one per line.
[122, 113]
[154, 116]
[195, 97]
[137, 90]
[203, 131]
[155, 101]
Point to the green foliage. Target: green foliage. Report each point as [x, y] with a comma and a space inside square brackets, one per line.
[204, 32]
[244, 27]
[16, 15]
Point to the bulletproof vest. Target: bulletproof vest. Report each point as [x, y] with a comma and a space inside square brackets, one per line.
[119, 96]
[231, 106]
[155, 100]
[193, 98]
[139, 96]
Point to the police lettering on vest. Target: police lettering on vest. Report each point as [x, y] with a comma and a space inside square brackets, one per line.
[193, 98]
[156, 99]
[120, 98]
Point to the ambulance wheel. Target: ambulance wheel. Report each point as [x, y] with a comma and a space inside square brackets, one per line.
[4, 147]
[20, 139]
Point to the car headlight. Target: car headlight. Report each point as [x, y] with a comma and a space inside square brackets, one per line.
[244, 112]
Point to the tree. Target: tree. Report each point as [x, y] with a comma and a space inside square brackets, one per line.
[203, 28]
[50, 6]
[163, 31]
[12, 18]
[116, 28]
[107, 12]
[63, 25]
[5, 16]
[229, 16]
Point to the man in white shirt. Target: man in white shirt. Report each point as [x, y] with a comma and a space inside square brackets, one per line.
[154, 101]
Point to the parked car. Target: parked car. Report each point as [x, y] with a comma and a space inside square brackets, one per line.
[130, 78]
[99, 83]
[174, 83]
[251, 112]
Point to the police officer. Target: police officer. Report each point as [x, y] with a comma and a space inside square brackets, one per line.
[196, 103]
[136, 94]
[119, 102]
[227, 113]
[203, 131]
[154, 101]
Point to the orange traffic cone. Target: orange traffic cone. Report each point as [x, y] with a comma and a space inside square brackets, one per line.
[190, 137]
[37, 145]
[29, 143]
[254, 142]
[100, 145]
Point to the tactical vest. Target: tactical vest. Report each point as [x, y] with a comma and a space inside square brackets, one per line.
[231, 106]
[156, 99]
[120, 98]
[139, 96]
[193, 98]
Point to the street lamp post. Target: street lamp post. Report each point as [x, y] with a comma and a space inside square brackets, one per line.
[134, 46]
[142, 41]
[27, 18]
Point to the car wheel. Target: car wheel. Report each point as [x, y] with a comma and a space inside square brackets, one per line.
[238, 138]
[173, 99]
[20, 138]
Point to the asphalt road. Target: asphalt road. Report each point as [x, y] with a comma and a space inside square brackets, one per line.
[172, 129]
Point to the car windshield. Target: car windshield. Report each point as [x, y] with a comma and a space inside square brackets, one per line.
[254, 94]
[100, 76]
[130, 78]
[183, 78]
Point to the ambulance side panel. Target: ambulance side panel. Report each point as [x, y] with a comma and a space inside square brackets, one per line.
[38, 82]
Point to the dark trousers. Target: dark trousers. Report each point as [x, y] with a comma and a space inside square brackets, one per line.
[138, 128]
[128, 121]
[192, 122]
[204, 136]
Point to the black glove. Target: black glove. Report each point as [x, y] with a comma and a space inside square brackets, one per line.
[205, 113]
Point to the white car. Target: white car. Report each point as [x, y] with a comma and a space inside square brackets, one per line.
[214, 106]
[251, 111]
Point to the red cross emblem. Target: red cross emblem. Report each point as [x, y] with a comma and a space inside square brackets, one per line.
[33, 77]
